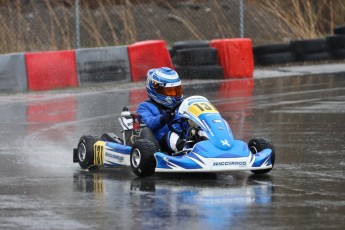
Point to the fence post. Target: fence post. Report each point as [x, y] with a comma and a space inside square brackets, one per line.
[241, 19]
[77, 23]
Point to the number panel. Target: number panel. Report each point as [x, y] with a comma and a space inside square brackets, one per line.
[98, 153]
[202, 107]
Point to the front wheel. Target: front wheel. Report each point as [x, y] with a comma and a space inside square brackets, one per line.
[85, 151]
[257, 145]
[143, 162]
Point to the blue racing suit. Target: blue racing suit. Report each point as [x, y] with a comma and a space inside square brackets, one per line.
[150, 113]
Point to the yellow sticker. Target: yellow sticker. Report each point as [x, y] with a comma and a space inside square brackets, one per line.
[98, 153]
[201, 107]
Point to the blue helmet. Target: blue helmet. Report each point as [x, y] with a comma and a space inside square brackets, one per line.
[163, 85]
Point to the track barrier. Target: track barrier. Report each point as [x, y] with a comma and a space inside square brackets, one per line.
[103, 64]
[195, 59]
[235, 56]
[146, 55]
[12, 72]
[51, 70]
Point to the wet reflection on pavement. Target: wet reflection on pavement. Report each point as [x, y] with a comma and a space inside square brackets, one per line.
[303, 116]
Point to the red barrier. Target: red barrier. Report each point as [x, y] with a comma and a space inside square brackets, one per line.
[147, 55]
[49, 70]
[235, 56]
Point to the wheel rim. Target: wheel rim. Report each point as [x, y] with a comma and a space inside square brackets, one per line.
[136, 157]
[81, 152]
[253, 149]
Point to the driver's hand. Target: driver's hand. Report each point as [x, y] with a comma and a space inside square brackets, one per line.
[167, 116]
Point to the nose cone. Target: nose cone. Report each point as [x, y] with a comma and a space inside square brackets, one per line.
[223, 137]
[219, 132]
[223, 144]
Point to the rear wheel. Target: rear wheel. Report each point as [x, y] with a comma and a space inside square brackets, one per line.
[147, 134]
[85, 151]
[257, 145]
[143, 162]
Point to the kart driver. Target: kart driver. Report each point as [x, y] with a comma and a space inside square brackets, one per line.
[164, 89]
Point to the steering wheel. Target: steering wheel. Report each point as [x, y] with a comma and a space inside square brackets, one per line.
[171, 123]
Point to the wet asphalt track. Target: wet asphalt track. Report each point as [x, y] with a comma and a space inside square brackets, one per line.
[304, 117]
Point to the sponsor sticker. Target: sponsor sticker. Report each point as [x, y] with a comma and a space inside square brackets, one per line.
[230, 163]
[114, 156]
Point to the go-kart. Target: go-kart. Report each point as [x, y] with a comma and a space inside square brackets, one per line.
[216, 151]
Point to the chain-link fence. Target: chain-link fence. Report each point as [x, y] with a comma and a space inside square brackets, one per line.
[41, 25]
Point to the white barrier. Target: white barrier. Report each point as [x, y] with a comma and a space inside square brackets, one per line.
[13, 72]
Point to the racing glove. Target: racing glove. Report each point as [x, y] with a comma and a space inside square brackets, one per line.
[167, 116]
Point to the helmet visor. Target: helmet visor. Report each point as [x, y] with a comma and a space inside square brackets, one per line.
[173, 91]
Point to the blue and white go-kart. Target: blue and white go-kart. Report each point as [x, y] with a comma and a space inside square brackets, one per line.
[217, 152]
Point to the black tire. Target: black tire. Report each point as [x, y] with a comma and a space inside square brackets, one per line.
[275, 58]
[339, 30]
[337, 42]
[147, 134]
[196, 57]
[200, 72]
[339, 54]
[301, 47]
[315, 57]
[86, 151]
[257, 145]
[188, 44]
[143, 162]
[274, 48]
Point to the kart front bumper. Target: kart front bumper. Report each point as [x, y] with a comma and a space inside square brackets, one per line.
[196, 163]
